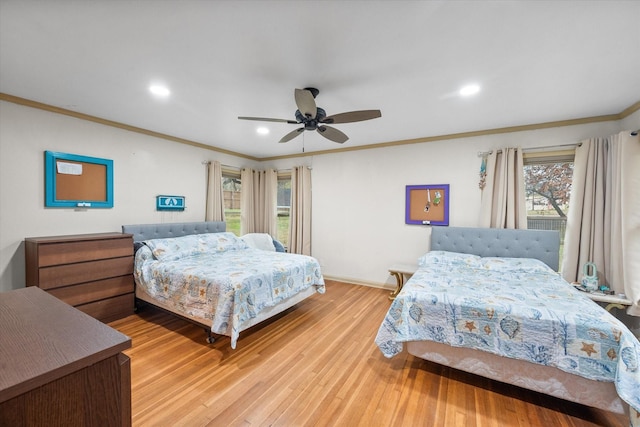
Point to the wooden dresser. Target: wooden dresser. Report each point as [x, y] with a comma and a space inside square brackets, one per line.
[58, 366]
[92, 272]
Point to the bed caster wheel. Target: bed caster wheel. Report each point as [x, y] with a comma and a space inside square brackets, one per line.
[211, 340]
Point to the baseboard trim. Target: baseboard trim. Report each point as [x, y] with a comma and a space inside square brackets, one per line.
[378, 285]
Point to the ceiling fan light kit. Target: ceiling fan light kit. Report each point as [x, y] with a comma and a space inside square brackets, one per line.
[312, 117]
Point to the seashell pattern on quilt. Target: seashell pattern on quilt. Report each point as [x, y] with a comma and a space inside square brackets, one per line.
[516, 308]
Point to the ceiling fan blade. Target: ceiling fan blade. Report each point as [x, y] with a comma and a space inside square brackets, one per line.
[265, 119]
[353, 116]
[305, 102]
[333, 134]
[288, 137]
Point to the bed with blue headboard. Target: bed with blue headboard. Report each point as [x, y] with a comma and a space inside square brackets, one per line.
[543, 245]
[226, 284]
[490, 302]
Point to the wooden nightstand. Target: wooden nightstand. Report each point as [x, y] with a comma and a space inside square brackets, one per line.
[92, 272]
[401, 272]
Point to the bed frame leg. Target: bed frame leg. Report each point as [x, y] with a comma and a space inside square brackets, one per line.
[210, 338]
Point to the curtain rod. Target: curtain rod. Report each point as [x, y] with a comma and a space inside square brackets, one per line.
[208, 162]
[288, 170]
[524, 150]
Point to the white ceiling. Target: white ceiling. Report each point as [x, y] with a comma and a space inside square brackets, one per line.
[536, 61]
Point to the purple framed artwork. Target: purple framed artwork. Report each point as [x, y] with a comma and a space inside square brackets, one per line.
[427, 204]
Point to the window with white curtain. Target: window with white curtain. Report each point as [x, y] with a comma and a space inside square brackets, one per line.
[548, 177]
[232, 187]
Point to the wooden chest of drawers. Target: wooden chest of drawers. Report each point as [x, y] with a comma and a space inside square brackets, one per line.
[59, 366]
[92, 272]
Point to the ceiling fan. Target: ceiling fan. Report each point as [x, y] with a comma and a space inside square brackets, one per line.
[315, 118]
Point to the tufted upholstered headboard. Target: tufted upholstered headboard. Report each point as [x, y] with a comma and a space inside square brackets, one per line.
[495, 242]
[160, 231]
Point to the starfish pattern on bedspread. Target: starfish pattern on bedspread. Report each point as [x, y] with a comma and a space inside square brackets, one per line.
[523, 310]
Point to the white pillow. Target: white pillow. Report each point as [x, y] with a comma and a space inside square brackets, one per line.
[259, 241]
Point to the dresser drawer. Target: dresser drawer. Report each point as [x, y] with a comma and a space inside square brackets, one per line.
[80, 251]
[109, 309]
[92, 272]
[71, 274]
[93, 291]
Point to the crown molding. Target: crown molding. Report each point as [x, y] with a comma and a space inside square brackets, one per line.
[82, 116]
[495, 131]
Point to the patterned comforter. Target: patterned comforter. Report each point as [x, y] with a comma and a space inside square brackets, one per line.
[512, 307]
[218, 277]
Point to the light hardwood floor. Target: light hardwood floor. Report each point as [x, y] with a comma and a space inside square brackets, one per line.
[317, 364]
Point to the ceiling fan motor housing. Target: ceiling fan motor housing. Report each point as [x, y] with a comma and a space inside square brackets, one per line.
[309, 123]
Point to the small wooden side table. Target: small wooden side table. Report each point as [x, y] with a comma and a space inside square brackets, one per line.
[402, 272]
[613, 301]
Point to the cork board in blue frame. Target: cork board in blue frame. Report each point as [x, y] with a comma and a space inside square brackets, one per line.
[73, 181]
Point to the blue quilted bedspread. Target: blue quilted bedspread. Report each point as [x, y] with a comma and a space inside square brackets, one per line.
[513, 307]
[219, 278]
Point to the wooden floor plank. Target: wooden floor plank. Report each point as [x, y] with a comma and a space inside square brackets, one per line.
[317, 365]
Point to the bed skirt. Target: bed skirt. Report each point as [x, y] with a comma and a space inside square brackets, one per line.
[544, 379]
[206, 323]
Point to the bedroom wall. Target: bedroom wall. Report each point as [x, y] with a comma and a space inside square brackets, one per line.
[631, 122]
[358, 227]
[144, 167]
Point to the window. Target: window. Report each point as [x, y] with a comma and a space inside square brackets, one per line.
[232, 189]
[548, 178]
[284, 208]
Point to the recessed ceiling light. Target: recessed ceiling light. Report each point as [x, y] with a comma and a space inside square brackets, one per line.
[263, 130]
[469, 90]
[159, 90]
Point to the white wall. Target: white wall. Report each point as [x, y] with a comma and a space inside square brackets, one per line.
[631, 122]
[358, 225]
[358, 215]
[144, 167]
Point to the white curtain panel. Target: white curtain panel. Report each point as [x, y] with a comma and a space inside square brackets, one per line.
[215, 194]
[630, 212]
[503, 199]
[603, 223]
[300, 220]
[269, 188]
[247, 209]
[258, 201]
